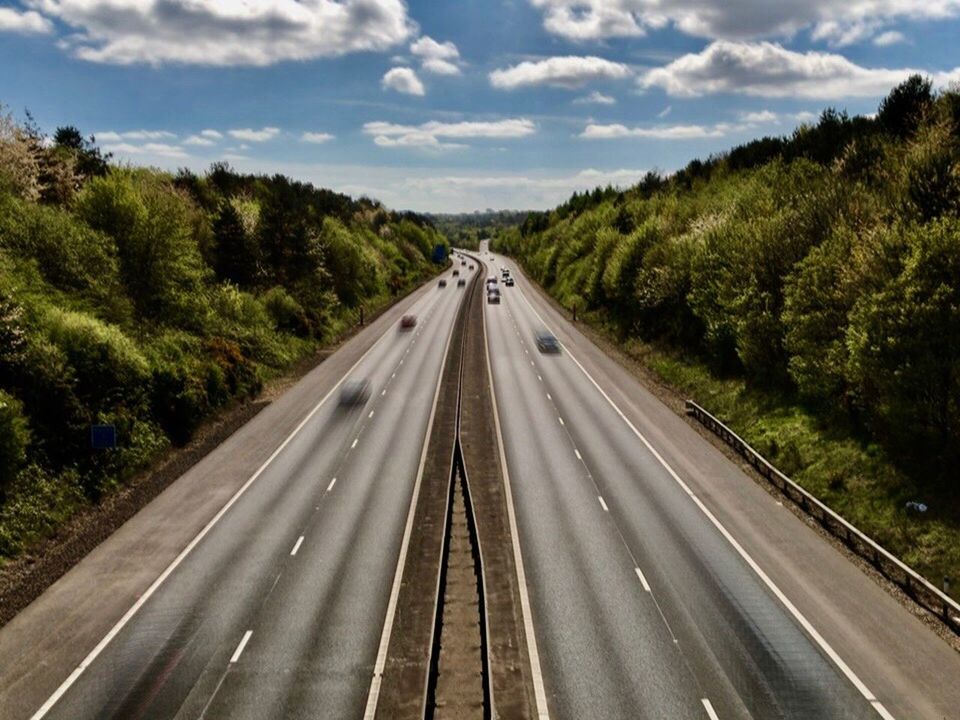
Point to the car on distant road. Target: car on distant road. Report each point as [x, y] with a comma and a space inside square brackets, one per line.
[456, 272]
[508, 282]
[492, 280]
[354, 392]
[547, 343]
[493, 298]
[408, 321]
[471, 267]
[443, 282]
[461, 282]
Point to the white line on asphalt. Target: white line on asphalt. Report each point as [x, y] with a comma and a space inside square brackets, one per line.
[393, 376]
[711, 713]
[539, 378]
[355, 441]
[383, 392]
[602, 503]
[374, 695]
[297, 546]
[148, 593]
[243, 643]
[332, 483]
[548, 397]
[539, 692]
[560, 419]
[643, 580]
[784, 600]
[578, 454]
[531, 363]
[370, 415]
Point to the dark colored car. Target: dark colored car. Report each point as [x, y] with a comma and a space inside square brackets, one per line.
[471, 267]
[508, 282]
[461, 282]
[408, 321]
[456, 272]
[354, 392]
[443, 282]
[463, 262]
[547, 343]
[493, 298]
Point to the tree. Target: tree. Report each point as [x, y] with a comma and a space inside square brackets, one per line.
[901, 112]
[90, 161]
[235, 259]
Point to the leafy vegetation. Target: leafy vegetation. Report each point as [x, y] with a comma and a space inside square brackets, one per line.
[466, 230]
[807, 289]
[147, 301]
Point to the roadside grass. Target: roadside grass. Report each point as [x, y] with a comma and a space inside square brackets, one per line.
[855, 478]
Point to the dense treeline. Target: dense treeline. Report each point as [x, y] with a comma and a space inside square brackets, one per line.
[824, 265]
[143, 300]
[466, 230]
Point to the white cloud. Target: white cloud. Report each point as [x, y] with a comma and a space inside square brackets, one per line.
[435, 57]
[567, 72]
[760, 117]
[428, 135]
[199, 140]
[891, 37]
[218, 32]
[110, 136]
[251, 135]
[212, 134]
[595, 131]
[596, 98]
[837, 21]
[162, 150]
[769, 70]
[316, 137]
[29, 22]
[403, 80]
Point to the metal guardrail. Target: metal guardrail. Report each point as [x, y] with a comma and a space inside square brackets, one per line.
[921, 590]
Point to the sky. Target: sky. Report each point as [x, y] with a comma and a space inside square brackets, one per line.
[457, 105]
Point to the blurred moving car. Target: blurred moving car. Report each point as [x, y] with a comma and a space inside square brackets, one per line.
[461, 282]
[354, 392]
[547, 343]
[443, 282]
[508, 282]
[456, 272]
[492, 280]
[493, 298]
[408, 321]
[471, 267]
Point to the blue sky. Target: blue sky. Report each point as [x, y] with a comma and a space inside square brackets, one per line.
[456, 105]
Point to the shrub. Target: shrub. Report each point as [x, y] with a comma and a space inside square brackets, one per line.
[14, 439]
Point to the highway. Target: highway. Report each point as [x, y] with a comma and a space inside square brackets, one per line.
[659, 580]
[665, 583]
[278, 605]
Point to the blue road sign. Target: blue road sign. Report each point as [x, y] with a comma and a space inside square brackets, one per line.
[439, 254]
[103, 437]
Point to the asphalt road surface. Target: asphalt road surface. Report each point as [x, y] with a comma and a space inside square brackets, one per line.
[663, 582]
[277, 611]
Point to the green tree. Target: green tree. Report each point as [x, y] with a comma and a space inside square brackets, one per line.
[902, 111]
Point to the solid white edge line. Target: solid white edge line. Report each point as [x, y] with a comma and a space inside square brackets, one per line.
[784, 600]
[643, 580]
[154, 586]
[243, 643]
[535, 670]
[332, 483]
[296, 546]
[373, 696]
[602, 503]
[708, 706]
[354, 444]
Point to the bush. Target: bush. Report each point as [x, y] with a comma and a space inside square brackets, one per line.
[14, 439]
[288, 315]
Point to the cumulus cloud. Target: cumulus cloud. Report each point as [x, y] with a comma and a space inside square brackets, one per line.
[110, 136]
[891, 37]
[596, 98]
[28, 23]
[251, 135]
[199, 140]
[162, 150]
[212, 134]
[435, 57]
[316, 137]
[769, 70]
[569, 72]
[403, 80]
[837, 21]
[595, 131]
[215, 32]
[430, 135]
